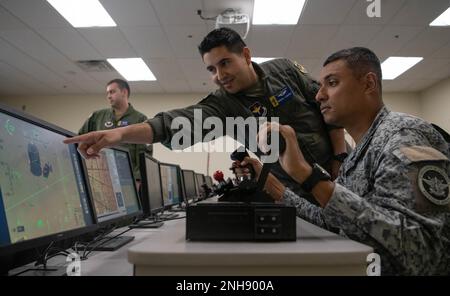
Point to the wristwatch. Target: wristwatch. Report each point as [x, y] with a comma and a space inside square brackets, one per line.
[340, 157]
[318, 174]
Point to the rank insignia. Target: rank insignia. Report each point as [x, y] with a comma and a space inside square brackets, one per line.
[258, 110]
[301, 68]
[434, 185]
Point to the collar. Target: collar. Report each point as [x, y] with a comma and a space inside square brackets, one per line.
[365, 141]
[130, 109]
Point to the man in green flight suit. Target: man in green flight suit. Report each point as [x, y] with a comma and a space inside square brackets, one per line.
[278, 88]
[120, 114]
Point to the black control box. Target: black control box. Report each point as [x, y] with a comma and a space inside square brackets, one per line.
[238, 221]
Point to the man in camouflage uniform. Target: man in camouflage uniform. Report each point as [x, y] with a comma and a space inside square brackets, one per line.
[278, 88]
[120, 114]
[393, 190]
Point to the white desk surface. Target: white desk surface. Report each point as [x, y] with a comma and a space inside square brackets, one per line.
[316, 252]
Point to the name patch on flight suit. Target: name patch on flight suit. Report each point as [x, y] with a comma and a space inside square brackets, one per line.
[122, 123]
[282, 97]
[258, 110]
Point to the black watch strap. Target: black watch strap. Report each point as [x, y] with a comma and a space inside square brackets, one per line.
[318, 174]
[340, 157]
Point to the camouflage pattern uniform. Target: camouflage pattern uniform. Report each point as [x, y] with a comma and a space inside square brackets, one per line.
[393, 193]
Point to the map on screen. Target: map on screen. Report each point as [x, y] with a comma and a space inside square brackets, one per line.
[41, 188]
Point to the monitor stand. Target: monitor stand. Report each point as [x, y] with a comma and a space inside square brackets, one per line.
[41, 271]
[147, 224]
[166, 216]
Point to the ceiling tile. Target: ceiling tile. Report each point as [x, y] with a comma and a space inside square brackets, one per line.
[359, 16]
[36, 13]
[131, 12]
[392, 38]
[260, 46]
[9, 21]
[71, 43]
[442, 53]
[426, 43]
[201, 81]
[325, 12]
[350, 36]
[175, 12]
[110, 42]
[311, 41]
[185, 39]
[419, 12]
[148, 42]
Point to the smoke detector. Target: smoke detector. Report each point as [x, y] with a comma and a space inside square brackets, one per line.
[230, 18]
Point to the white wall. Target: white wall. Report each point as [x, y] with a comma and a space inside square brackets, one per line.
[403, 102]
[435, 104]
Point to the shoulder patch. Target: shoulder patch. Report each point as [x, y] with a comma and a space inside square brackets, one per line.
[301, 68]
[434, 184]
[422, 153]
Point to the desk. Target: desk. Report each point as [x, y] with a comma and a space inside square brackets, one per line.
[316, 252]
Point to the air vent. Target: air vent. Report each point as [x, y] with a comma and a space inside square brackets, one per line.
[95, 66]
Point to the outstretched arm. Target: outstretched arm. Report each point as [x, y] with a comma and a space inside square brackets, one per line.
[91, 143]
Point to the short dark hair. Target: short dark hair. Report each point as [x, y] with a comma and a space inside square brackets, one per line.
[122, 84]
[222, 37]
[360, 60]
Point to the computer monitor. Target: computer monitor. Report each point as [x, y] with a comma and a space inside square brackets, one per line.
[151, 192]
[112, 186]
[43, 196]
[171, 184]
[190, 192]
[200, 180]
[209, 181]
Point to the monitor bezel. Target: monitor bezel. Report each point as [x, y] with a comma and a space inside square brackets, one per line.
[40, 242]
[180, 185]
[209, 178]
[145, 198]
[196, 196]
[117, 220]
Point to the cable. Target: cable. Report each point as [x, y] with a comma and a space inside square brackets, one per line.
[199, 13]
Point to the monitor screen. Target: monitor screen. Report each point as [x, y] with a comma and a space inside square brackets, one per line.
[152, 200]
[189, 185]
[170, 184]
[112, 186]
[42, 186]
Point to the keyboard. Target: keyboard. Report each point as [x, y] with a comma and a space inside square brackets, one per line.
[108, 244]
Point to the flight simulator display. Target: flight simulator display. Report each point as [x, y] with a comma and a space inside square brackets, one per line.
[170, 183]
[112, 185]
[42, 189]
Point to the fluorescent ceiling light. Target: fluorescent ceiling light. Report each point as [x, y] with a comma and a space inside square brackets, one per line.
[396, 66]
[133, 69]
[83, 13]
[280, 12]
[261, 60]
[443, 19]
